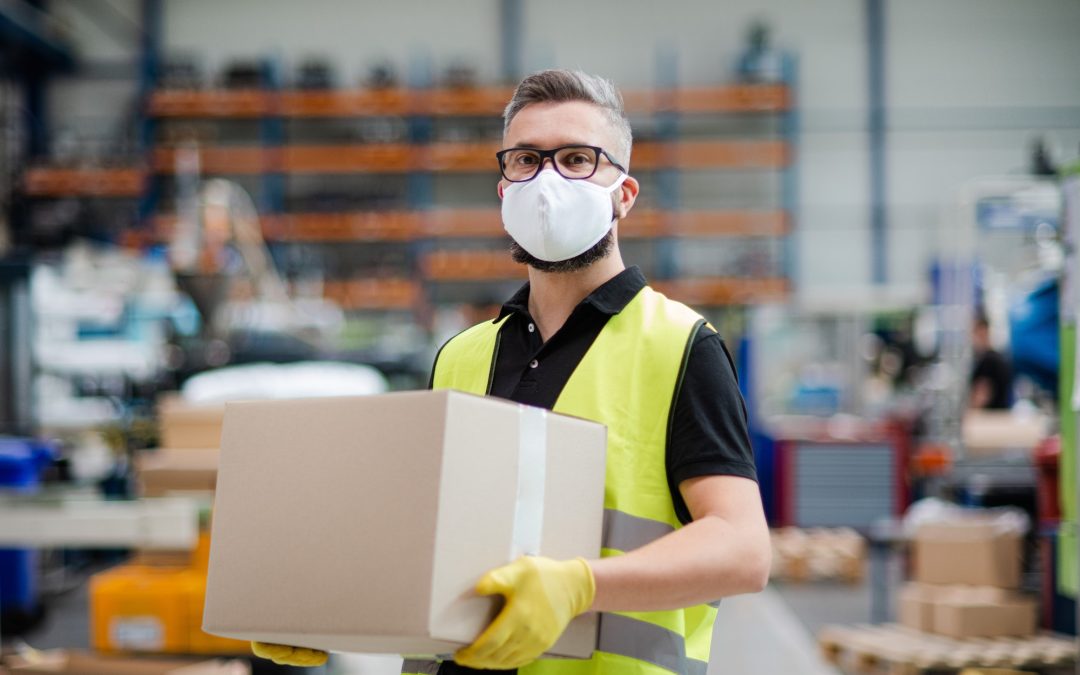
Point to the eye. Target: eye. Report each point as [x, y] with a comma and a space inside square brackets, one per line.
[525, 159]
[578, 158]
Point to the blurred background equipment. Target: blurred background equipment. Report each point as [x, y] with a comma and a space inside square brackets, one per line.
[203, 202]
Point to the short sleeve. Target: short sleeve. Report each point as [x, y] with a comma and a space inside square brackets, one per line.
[708, 434]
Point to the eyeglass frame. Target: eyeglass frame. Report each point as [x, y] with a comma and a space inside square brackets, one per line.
[545, 154]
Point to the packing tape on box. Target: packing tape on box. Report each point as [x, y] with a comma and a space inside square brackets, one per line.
[532, 473]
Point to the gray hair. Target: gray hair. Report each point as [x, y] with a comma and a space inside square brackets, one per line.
[559, 86]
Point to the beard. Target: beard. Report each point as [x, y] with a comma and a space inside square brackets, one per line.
[599, 251]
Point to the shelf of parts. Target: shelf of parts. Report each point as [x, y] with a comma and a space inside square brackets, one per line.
[465, 157]
[46, 181]
[486, 223]
[478, 101]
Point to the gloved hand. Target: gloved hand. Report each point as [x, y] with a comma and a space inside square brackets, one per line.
[542, 596]
[284, 655]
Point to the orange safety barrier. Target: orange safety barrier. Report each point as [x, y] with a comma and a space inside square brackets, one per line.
[56, 182]
[725, 291]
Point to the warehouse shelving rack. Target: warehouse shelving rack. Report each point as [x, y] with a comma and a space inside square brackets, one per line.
[424, 225]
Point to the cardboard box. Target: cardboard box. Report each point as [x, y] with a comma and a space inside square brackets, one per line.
[187, 425]
[966, 611]
[915, 606]
[973, 553]
[984, 612]
[362, 524]
[80, 663]
[170, 471]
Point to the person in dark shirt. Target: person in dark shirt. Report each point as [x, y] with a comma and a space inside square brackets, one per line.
[991, 373]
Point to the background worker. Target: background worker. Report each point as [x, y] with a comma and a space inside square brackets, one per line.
[586, 336]
[991, 372]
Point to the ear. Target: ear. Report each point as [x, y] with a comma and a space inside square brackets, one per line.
[499, 189]
[625, 197]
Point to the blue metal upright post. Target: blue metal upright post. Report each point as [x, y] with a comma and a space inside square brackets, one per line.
[511, 19]
[272, 130]
[420, 183]
[667, 177]
[150, 55]
[875, 45]
[789, 177]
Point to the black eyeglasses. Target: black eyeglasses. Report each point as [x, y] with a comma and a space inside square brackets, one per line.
[576, 162]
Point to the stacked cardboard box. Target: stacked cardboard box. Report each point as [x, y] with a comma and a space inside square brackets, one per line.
[964, 584]
[189, 425]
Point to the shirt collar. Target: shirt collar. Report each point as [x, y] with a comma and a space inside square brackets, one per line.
[609, 298]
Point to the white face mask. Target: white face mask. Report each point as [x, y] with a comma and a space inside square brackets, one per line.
[554, 218]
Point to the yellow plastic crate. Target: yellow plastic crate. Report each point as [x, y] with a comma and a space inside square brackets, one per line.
[135, 608]
[143, 609]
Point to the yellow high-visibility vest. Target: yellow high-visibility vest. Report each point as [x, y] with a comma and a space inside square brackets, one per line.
[627, 381]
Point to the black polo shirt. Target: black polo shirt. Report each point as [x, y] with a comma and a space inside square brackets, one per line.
[709, 431]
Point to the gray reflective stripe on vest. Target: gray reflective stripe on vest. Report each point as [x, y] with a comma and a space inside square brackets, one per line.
[647, 642]
[422, 666]
[624, 532]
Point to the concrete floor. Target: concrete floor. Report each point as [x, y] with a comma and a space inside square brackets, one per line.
[765, 634]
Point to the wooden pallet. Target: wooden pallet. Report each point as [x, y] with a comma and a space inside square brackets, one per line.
[898, 650]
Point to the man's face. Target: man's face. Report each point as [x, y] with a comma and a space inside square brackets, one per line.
[545, 126]
[550, 125]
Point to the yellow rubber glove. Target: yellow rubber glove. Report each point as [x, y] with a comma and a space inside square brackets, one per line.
[284, 655]
[542, 596]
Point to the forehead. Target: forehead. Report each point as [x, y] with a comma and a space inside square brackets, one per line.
[549, 125]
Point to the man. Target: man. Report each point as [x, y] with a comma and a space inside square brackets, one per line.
[586, 336]
[991, 373]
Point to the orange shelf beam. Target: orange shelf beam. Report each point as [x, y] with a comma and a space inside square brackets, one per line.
[350, 103]
[647, 223]
[213, 103]
[343, 227]
[368, 158]
[54, 182]
[718, 291]
[711, 155]
[356, 294]
[450, 223]
[473, 101]
[459, 157]
[238, 160]
[471, 266]
[465, 223]
[479, 101]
